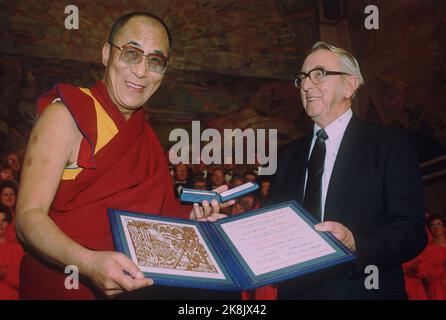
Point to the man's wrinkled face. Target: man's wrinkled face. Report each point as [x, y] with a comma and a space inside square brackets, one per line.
[130, 86]
[325, 101]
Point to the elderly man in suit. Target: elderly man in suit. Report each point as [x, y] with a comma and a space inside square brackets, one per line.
[360, 180]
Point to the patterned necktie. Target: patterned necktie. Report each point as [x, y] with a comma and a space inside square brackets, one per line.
[313, 191]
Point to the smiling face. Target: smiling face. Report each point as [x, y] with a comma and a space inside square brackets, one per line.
[437, 228]
[328, 100]
[7, 197]
[130, 86]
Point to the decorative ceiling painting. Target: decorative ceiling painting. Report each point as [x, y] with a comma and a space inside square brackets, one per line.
[232, 62]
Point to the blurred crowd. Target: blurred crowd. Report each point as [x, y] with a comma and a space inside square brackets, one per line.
[204, 177]
[11, 251]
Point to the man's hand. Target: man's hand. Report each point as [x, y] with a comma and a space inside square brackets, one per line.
[210, 211]
[341, 232]
[113, 273]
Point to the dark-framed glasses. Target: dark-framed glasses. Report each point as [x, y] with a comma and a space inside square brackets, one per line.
[317, 75]
[131, 56]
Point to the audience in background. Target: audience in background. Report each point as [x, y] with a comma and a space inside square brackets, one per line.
[217, 177]
[182, 178]
[432, 266]
[425, 275]
[251, 176]
[8, 196]
[200, 183]
[12, 159]
[201, 169]
[6, 173]
[236, 181]
[264, 190]
[229, 170]
[237, 208]
[11, 254]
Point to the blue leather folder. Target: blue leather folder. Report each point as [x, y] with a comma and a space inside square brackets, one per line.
[236, 271]
[194, 195]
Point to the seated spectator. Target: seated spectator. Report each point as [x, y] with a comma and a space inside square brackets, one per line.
[169, 164]
[432, 265]
[201, 169]
[8, 195]
[13, 161]
[182, 178]
[264, 189]
[229, 170]
[236, 208]
[11, 254]
[217, 177]
[251, 176]
[249, 202]
[6, 173]
[199, 182]
[236, 181]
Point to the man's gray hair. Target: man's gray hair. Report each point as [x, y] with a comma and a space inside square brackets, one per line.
[348, 61]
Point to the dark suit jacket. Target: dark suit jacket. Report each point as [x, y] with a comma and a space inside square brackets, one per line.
[375, 190]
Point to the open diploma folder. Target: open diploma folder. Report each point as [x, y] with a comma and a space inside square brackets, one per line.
[237, 253]
[194, 195]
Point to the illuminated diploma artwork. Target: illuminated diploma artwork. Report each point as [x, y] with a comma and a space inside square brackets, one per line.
[171, 248]
[237, 253]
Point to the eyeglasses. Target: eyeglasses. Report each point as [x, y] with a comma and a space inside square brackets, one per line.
[317, 75]
[131, 56]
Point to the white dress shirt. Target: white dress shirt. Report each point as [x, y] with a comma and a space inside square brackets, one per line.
[335, 131]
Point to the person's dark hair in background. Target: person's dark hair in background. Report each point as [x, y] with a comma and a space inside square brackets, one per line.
[8, 214]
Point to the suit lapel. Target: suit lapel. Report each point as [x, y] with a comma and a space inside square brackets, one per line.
[301, 161]
[349, 160]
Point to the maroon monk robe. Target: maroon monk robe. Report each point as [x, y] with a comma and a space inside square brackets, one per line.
[129, 172]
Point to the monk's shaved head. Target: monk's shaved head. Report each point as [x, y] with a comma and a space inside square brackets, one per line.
[146, 17]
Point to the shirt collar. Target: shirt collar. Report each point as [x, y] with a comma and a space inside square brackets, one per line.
[337, 127]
